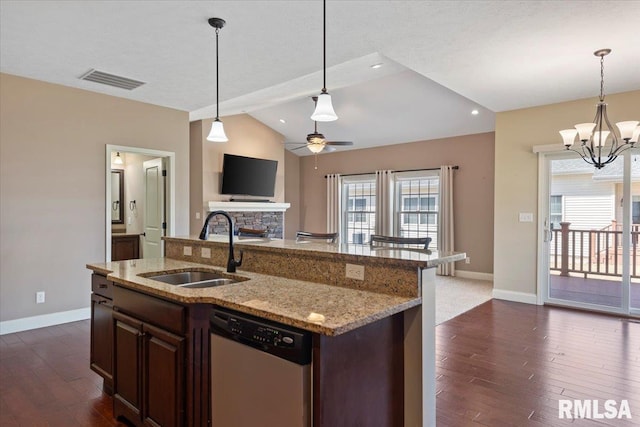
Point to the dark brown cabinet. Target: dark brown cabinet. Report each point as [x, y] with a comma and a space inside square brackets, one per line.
[150, 362]
[101, 355]
[126, 246]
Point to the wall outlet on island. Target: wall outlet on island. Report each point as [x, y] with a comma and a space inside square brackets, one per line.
[354, 271]
[40, 297]
[205, 252]
[186, 251]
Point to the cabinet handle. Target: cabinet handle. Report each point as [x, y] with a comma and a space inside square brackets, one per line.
[102, 286]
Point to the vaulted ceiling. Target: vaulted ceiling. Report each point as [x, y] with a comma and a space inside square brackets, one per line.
[441, 59]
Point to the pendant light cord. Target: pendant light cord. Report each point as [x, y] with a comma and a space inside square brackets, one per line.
[324, 46]
[217, 74]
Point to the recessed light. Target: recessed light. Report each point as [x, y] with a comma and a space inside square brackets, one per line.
[376, 66]
[283, 121]
[475, 112]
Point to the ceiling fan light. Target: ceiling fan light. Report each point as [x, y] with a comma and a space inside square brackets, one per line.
[315, 148]
[324, 109]
[217, 132]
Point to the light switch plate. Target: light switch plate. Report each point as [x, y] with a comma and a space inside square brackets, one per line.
[526, 217]
[40, 297]
[354, 271]
[187, 251]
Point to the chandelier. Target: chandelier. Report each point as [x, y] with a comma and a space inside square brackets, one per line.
[595, 137]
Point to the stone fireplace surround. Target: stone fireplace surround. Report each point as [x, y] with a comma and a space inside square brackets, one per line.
[256, 215]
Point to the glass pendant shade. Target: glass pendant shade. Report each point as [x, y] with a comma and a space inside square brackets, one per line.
[217, 132]
[568, 136]
[627, 129]
[315, 148]
[118, 159]
[585, 130]
[636, 135]
[600, 138]
[324, 109]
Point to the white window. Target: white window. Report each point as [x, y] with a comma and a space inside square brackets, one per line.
[359, 212]
[416, 205]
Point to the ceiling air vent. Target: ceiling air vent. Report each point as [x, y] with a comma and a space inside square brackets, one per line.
[111, 79]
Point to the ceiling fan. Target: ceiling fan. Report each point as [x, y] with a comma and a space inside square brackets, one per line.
[316, 142]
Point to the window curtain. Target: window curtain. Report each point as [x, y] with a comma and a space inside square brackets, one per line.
[384, 202]
[334, 199]
[445, 219]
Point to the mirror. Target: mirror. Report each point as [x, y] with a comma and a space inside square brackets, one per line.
[117, 196]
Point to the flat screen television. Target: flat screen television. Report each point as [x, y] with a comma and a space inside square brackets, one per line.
[248, 176]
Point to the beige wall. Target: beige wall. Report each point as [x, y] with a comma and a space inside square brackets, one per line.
[473, 186]
[516, 180]
[292, 194]
[52, 185]
[196, 196]
[247, 137]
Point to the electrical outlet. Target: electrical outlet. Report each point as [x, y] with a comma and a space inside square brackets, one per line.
[467, 260]
[205, 252]
[354, 271]
[40, 297]
[197, 215]
[187, 251]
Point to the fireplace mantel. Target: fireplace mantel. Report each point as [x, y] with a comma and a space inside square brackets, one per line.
[247, 206]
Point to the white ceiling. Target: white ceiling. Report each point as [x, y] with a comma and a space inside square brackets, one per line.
[442, 58]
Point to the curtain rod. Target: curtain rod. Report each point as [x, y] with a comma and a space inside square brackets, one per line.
[404, 170]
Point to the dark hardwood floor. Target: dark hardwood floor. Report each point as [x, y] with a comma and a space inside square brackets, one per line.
[500, 364]
[508, 364]
[45, 379]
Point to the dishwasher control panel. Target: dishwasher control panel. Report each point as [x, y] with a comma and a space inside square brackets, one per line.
[284, 341]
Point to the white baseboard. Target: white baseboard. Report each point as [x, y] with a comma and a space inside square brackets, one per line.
[35, 322]
[515, 296]
[464, 274]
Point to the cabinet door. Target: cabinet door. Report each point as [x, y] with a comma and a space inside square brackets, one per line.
[101, 358]
[163, 377]
[127, 366]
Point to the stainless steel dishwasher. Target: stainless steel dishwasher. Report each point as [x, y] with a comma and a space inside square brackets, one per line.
[260, 372]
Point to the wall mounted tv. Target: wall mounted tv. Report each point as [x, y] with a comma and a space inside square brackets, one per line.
[248, 176]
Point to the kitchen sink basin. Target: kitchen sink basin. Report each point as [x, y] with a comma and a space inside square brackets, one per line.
[194, 279]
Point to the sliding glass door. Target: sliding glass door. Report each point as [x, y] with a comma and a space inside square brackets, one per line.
[590, 227]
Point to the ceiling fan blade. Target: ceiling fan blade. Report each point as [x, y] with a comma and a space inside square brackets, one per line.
[295, 143]
[343, 143]
[297, 148]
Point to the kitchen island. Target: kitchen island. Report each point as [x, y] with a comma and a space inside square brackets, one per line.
[388, 317]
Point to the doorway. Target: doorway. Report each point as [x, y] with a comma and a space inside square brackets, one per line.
[140, 210]
[589, 255]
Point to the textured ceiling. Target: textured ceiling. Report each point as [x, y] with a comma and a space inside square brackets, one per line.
[498, 55]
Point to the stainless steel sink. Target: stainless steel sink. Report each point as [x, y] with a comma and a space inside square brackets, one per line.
[194, 279]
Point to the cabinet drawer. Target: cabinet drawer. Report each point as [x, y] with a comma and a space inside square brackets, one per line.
[101, 286]
[150, 309]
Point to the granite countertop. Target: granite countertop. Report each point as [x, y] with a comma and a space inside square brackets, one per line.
[325, 309]
[414, 257]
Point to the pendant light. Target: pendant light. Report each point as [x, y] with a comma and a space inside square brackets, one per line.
[324, 109]
[592, 148]
[118, 160]
[217, 129]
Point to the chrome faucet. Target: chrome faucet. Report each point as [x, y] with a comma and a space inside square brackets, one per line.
[204, 235]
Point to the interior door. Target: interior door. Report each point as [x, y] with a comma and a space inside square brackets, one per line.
[586, 233]
[154, 209]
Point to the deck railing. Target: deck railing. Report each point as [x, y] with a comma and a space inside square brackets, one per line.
[596, 252]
